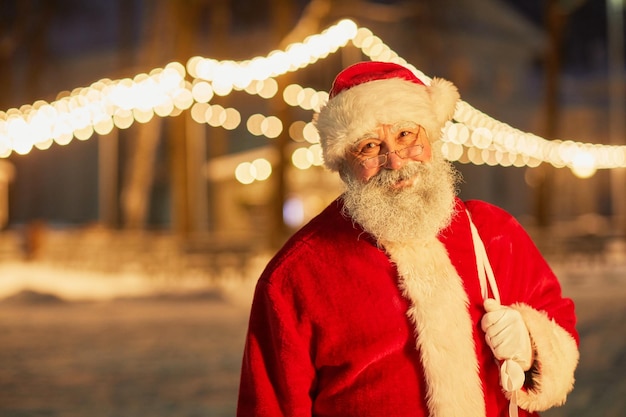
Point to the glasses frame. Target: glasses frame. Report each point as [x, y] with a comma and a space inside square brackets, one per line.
[403, 153]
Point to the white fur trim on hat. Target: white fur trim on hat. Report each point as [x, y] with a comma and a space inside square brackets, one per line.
[359, 110]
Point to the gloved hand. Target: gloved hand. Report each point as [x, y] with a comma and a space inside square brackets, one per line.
[506, 334]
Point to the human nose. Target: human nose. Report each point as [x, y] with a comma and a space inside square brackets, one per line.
[394, 161]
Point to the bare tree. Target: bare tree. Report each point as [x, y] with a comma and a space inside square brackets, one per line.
[139, 164]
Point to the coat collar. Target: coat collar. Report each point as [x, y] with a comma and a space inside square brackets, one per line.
[443, 327]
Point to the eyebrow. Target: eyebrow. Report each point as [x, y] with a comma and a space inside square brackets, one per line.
[366, 136]
[395, 128]
[404, 125]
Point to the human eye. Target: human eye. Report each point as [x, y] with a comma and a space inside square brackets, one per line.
[407, 136]
[368, 148]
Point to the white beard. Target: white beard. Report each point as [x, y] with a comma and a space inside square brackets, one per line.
[416, 212]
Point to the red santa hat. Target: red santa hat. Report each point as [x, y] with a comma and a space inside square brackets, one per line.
[368, 94]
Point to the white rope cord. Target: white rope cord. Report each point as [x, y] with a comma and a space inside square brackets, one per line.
[485, 273]
[488, 282]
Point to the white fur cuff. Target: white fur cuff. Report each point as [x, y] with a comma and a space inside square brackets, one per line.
[556, 358]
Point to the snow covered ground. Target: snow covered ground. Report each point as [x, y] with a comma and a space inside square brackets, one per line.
[132, 344]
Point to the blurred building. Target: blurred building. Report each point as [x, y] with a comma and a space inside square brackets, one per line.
[132, 178]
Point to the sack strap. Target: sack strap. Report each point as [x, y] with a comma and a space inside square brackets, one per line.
[485, 273]
[488, 282]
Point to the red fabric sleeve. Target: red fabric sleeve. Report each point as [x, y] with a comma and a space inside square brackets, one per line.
[277, 374]
[519, 268]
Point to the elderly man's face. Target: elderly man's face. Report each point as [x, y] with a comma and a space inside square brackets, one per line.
[390, 190]
[389, 147]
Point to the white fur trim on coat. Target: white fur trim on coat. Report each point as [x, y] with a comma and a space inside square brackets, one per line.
[359, 110]
[443, 328]
[556, 358]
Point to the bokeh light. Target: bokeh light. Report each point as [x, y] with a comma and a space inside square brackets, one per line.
[472, 136]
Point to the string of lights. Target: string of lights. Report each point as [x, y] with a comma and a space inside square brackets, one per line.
[471, 137]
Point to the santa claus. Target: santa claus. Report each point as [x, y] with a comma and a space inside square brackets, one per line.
[399, 299]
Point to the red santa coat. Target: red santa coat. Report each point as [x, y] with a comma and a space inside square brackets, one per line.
[342, 327]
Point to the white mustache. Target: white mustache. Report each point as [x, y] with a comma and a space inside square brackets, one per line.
[387, 177]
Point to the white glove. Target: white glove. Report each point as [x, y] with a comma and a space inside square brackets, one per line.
[506, 334]
[512, 375]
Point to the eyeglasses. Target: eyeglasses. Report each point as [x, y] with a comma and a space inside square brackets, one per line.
[380, 160]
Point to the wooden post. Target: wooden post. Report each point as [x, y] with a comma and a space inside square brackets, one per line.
[555, 20]
[283, 20]
[617, 107]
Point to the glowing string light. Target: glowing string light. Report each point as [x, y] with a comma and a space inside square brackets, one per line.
[471, 137]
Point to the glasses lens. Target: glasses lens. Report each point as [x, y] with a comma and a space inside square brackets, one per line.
[411, 151]
[374, 162]
[380, 160]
